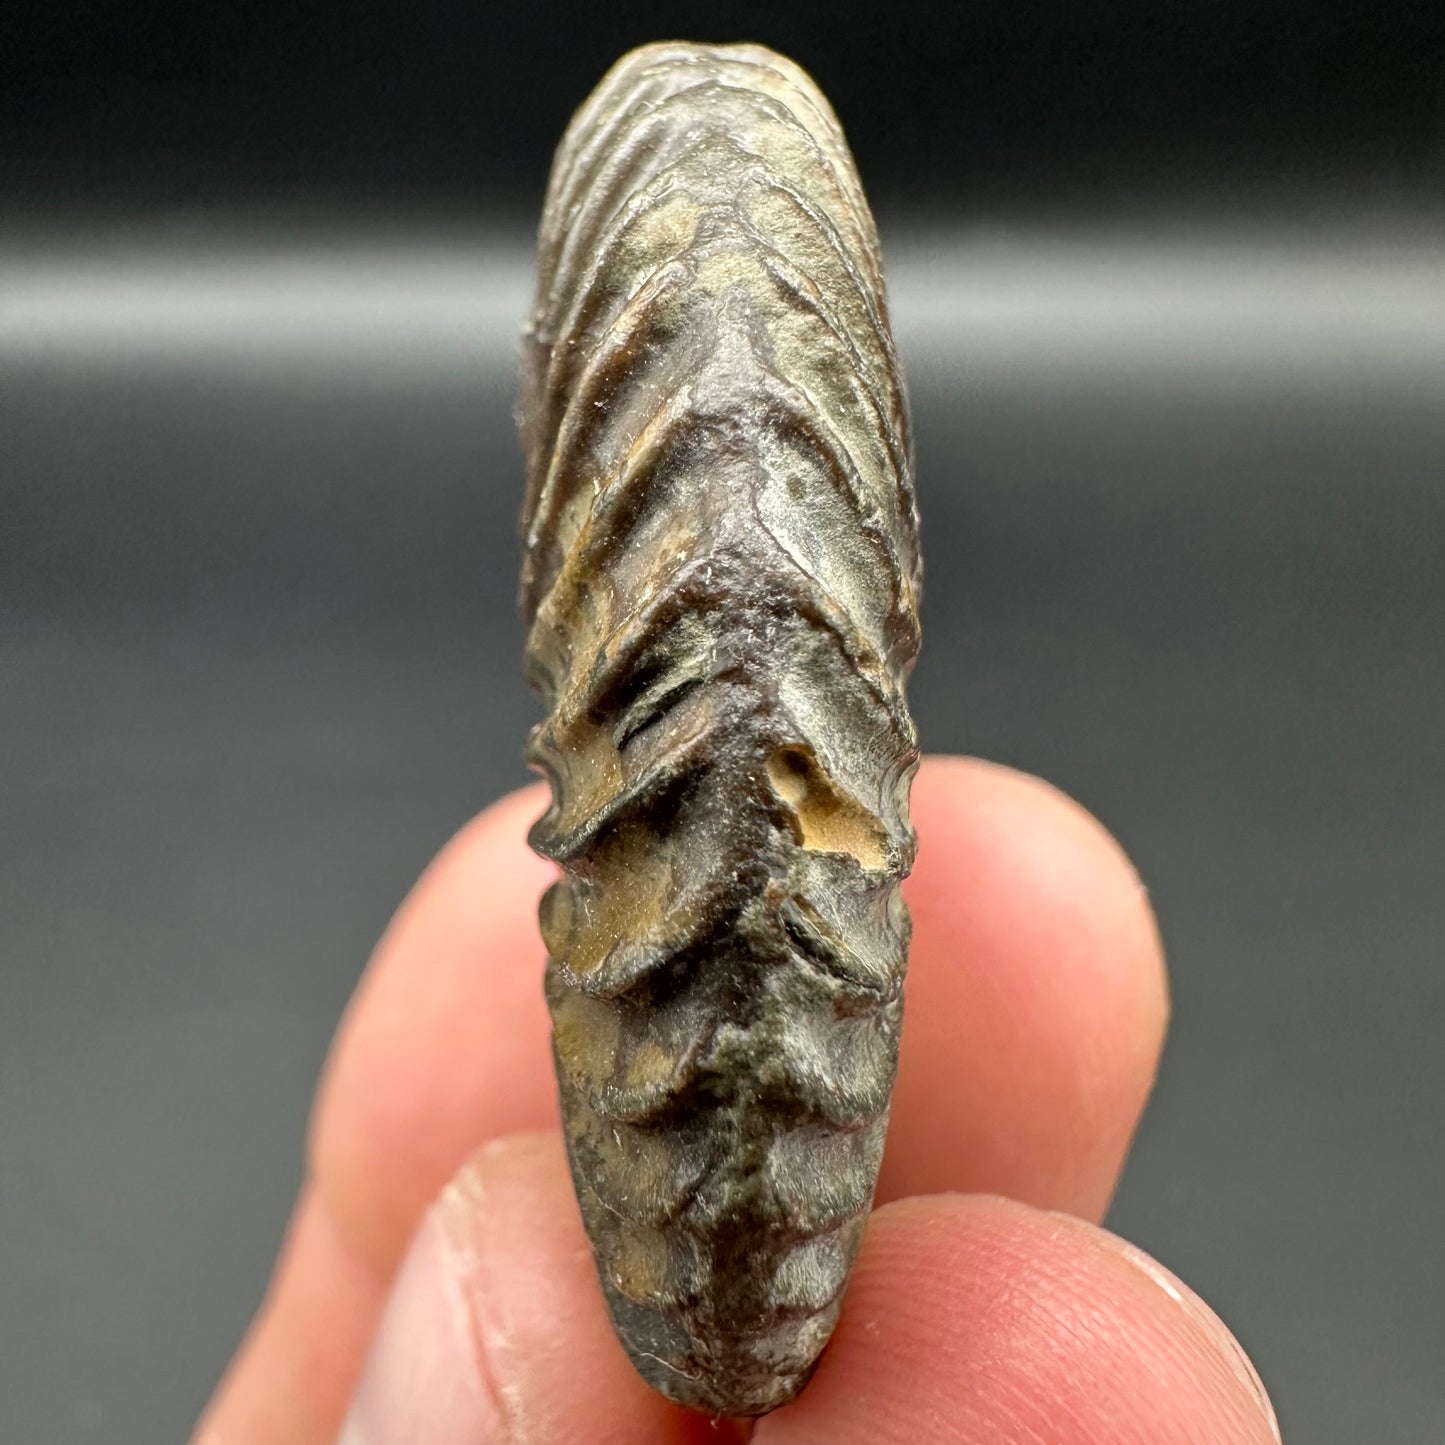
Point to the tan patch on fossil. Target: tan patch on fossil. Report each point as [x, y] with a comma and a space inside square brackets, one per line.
[634, 1169]
[827, 819]
[586, 1033]
[640, 1268]
[650, 1065]
[584, 757]
[625, 901]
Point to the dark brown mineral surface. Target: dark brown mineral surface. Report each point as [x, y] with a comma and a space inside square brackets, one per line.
[720, 583]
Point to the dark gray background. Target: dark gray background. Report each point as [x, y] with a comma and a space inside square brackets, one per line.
[1172, 300]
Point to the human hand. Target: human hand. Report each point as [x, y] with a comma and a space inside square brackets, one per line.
[436, 1287]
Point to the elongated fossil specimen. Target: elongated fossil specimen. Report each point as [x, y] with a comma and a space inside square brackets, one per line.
[720, 583]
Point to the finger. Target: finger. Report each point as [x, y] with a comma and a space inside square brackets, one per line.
[1037, 999]
[295, 1371]
[973, 1319]
[447, 1042]
[496, 1331]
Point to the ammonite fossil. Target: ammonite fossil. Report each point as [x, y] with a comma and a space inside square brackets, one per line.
[720, 584]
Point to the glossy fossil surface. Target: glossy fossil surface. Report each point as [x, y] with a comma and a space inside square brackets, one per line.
[720, 585]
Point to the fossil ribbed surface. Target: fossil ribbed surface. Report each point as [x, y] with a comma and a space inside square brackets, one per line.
[720, 584]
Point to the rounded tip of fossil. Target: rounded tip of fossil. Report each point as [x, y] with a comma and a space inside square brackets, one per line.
[738, 1373]
[724, 1395]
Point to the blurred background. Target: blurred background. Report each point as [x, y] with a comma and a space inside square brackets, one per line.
[1169, 282]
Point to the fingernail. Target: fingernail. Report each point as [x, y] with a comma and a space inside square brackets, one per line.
[1214, 1328]
[425, 1379]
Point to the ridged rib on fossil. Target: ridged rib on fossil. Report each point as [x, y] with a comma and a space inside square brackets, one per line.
[720, 583]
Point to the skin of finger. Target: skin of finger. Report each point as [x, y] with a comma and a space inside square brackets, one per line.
[973, 1320]
[1036, 1000]
[447, 1042]
[1023, 1068]
[296, 1369]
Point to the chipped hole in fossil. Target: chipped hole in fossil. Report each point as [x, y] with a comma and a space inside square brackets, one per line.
[825, 819]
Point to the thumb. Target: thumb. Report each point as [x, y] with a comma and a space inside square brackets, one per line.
[496, 1328]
